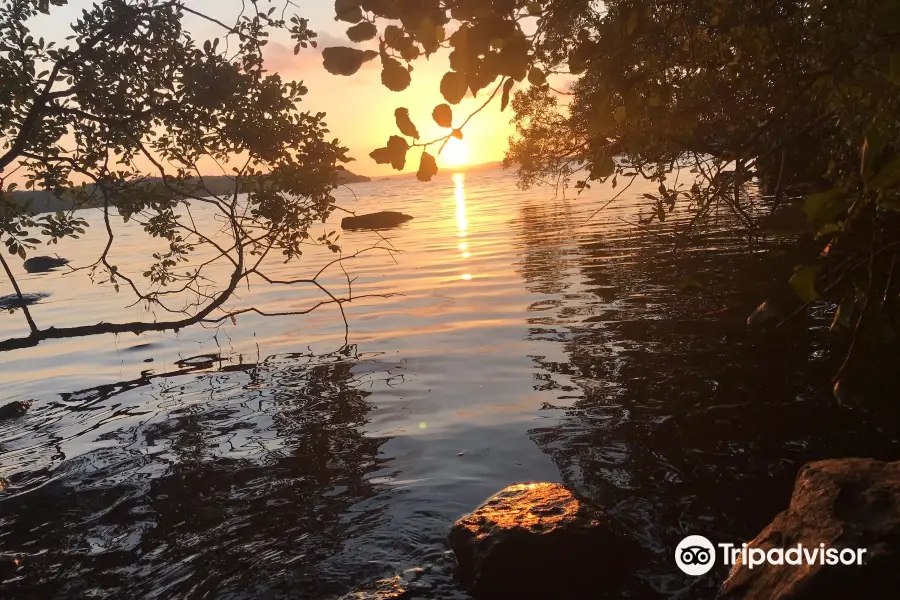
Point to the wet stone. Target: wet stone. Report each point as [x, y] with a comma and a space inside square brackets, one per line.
[380, 220]
[13, 301]
[14, 409]
[843, 504]
[392, 588]
[539, 541]
[44, 264]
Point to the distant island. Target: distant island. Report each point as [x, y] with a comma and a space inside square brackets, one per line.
[345, 177]
[45, 201]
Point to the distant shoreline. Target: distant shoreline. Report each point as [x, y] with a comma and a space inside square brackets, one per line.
[39, 201]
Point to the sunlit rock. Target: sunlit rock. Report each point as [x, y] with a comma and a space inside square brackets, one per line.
[43, 264]
[843, 504]
[380, 220]
[539, 541]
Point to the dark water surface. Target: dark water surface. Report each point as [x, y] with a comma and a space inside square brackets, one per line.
[528, 344]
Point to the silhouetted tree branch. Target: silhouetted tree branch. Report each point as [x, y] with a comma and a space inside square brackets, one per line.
[131, 88]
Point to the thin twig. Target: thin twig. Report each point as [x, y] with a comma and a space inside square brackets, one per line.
[22, 302]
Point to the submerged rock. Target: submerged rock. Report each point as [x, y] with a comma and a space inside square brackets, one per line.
[392, 588]
[539, 541]
[843, 504]
[43, 264]
[12, 301]
[379, 220]
[14, 409]
[9, 564]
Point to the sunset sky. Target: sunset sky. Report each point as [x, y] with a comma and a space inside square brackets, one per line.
[360, 110]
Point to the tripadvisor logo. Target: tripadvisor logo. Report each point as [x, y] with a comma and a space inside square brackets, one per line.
[695, 555]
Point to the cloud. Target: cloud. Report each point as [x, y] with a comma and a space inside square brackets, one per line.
[326, 39]
[279, 57]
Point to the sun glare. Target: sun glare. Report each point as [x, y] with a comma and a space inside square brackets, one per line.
[455, 154]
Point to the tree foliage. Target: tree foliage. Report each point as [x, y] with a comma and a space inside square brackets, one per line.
[800, 94]
[126, 113]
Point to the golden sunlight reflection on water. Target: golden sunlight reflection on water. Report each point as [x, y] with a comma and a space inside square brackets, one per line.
[462, 222]
[411, 307]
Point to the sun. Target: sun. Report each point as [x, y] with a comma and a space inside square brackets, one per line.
[455, 154]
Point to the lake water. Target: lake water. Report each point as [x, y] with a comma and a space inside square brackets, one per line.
[517, 341]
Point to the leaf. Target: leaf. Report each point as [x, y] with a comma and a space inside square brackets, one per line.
[404, 124]
[233, 320]
[632, 22]
[454, 86]
[394, 36]
[348, 10]
[394, 75]
[843, 315]
[824, 207]
[872, 149]
[513, 59]
[888, 176]
[605, 168]
[504, 100]
[398, 147]
[410, 53]
[427, 167]
[536, 77]
[429, 35]
[620, 115]
[804, 283]
[601, 124]
[457, 133]
[443, 115]
[534, 8]
[382, 156]
[894, 72]
[340, 60]
[362, 32]
[828, 229]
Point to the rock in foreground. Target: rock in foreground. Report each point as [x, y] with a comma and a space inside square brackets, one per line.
[539, 541]
[380, 220]
[849, 503]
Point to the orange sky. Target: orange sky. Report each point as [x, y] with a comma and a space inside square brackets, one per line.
[360, 111]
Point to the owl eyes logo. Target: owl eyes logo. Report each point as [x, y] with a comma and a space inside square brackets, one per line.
[695, 555]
